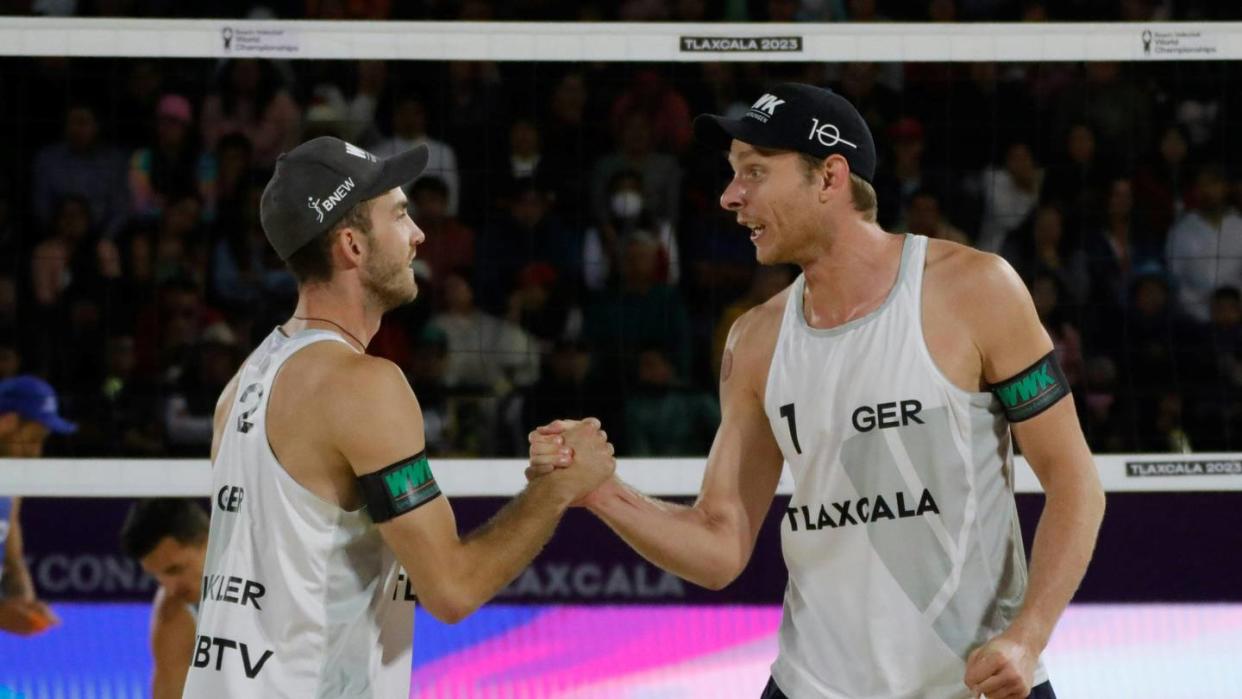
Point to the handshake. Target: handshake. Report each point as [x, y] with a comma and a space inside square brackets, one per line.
[575, 454]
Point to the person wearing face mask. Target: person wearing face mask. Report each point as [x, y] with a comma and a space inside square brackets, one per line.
[627, 213]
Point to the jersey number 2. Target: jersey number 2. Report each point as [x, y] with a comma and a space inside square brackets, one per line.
[253, 392]
[787, 412]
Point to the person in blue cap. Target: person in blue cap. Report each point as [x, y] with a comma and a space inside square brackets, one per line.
[28, 414]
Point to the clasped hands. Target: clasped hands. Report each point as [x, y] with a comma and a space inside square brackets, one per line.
[575, 452]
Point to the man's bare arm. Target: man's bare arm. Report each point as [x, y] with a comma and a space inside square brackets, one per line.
[710, 542]
[1011, 339]
[16, 583]
[452, 575]
[172, 645]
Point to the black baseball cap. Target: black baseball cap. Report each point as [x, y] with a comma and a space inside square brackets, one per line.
[797, 117]
[317, 182]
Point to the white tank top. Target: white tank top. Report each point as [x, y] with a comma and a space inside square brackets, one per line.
[300, 597]
[901, 537]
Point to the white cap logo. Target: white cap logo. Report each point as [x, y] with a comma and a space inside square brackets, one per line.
[827, 134]
[765, 107]
[358, 152]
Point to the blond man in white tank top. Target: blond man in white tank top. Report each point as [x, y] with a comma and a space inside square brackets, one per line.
[890, 376]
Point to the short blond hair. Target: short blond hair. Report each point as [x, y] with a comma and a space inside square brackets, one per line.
[863, 193]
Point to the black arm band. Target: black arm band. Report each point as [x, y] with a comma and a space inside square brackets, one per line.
[399, 488]
[1033, 390]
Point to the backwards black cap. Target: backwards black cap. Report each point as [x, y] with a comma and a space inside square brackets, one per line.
[317, 182]
[797, 117]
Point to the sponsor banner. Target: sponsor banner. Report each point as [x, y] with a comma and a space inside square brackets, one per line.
[1184, 467]
[741, 44]
[267, 42]
[1179, 43]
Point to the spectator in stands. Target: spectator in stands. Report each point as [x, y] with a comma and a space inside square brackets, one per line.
[474, 96]
[1041, 247]
[524, 160]
[651, 98]
[190, 406]
[1047, 292]
[246, 275]
[120, 413]
[168, 327]
[8, 304]
[902, 176]
[1116, 249]
[409, 129]
[661, 175]
[178, 247]
[172, 165]
[1009, 196]
[1161, 182]
[484, 352]
[527, 233]
[859, 83]
[570, 386]
[641, 312]
[133, 114]
[579, 140]
[82, 165]
[227, 181]
[1204, 249]
[1216, 413]
[250, 98]
[449, 243]
[924, 217]
[10, 358]
[1158, 343]
[1119, 111]
[427, 372]
[664, 417]
[1077, 183]
[545, 305]
[71, 253]
[628, 211]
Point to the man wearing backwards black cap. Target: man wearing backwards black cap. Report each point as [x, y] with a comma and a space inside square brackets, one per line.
[326, 521]
[889, 376]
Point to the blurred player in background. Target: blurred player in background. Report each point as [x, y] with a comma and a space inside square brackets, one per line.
[28, 415]
[168, 536]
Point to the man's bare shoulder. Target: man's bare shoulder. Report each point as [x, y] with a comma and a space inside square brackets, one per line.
[167, 611]
[752, 339]
[962, 276]
[341, 382]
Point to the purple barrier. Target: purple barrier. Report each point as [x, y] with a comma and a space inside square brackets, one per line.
[1153, 547]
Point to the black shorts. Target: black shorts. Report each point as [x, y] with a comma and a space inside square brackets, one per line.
[1043, 691]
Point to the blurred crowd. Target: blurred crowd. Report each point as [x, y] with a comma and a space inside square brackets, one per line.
[577, 261]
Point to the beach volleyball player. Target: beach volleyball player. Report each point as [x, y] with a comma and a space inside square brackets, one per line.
[327, 523]
[891, 377]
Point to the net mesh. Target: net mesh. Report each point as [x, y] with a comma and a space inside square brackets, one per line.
[576, 257]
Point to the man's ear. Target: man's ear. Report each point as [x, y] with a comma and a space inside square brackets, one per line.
[8, 423]
[348, 247]
[834, 175]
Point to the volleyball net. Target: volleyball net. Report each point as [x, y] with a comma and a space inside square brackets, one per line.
[577, 262]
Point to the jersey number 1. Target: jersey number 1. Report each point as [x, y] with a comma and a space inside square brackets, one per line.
[787, 412]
